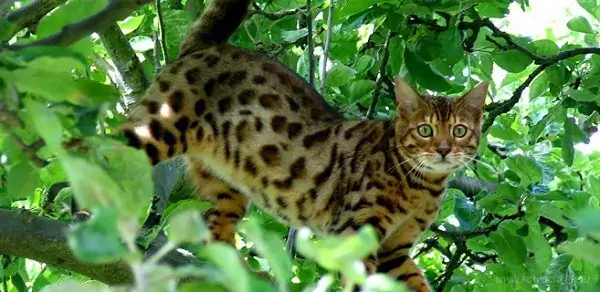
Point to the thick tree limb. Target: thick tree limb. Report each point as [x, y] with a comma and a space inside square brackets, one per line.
[115, 10]
[134, 81]
[5, 5]
[31, 13]
[43, 239]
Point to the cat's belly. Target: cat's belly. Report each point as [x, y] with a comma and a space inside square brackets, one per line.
[294, 206]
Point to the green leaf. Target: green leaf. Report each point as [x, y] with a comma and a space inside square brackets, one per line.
[568, 152]
[588, 221]
[187, 226]
[46, 123]
[270, 246]
[71, 12]
[505, 132]
[583, 95]
[360, 88]
[182, 205]
[98, 240]
[54, 86]
[6, 29]
[353, 7]
[555, 114]
[396, 59]
[22, 181]
[423, 73]
[486, 65]
[511, 248]
[583, 249]
[294, 35]
[592, 184]
[58, 64]
[340, 75]
[126, 186]
[559, 269]
[527, 168]
[363, 63]
[383, 283]
[227, 259]
[74, 285]
[466, 212]
[538, 87]
[545, 47]
[339, 253]
[452, 45]
[580, 24]
[512, 60]
[130, 23]
[590, 6]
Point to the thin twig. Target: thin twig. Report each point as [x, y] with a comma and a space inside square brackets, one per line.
[497, 109]
[327, 45]
[114, 11]
[156, 53]
[311, 49]
[9, 119]
[277, 14]
[161, 31]
[454, 263]
[380, 77]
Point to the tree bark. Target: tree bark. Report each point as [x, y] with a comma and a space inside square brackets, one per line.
[31, 14]
[43, 239]
[132, 81]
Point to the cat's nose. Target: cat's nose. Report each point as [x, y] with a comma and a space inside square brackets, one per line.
[443, 150]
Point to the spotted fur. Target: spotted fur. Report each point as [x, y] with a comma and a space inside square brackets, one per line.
[252, 130]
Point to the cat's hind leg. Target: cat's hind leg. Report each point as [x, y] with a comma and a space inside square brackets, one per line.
[228, 205]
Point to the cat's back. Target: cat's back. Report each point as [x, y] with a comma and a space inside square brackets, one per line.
[227, 81]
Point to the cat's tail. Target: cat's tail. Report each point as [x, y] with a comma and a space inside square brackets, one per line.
[216, 24]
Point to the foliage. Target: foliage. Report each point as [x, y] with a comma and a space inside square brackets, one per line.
[533, 227]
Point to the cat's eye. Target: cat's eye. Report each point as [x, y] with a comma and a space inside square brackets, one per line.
[425, 131]
[459, 131]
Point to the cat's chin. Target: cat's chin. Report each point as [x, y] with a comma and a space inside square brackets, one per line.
[440, 166]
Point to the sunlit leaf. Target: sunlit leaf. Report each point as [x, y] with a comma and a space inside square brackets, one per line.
[580, 24]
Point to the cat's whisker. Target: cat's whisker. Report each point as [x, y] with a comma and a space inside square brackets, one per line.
[403, 162]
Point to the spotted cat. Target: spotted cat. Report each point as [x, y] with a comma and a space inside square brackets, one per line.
[252, 130]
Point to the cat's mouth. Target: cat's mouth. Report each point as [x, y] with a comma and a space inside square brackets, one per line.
[441, 164]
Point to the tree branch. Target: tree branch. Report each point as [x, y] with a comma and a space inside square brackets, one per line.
[9, 119]
[115, 10]
[277, 14]
[309, 41]
[44, 240]
[126, 63]
[327, 45]
[161, 31]
[31, 14]
[381, 76]
[455, 262]
[496, 109]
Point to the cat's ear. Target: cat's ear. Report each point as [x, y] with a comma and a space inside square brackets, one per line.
[475, 98]
[407, 98]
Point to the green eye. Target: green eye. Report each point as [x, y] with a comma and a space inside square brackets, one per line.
[425, 131]
[459, 131]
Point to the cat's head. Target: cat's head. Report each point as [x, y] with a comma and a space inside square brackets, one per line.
[440, 133]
